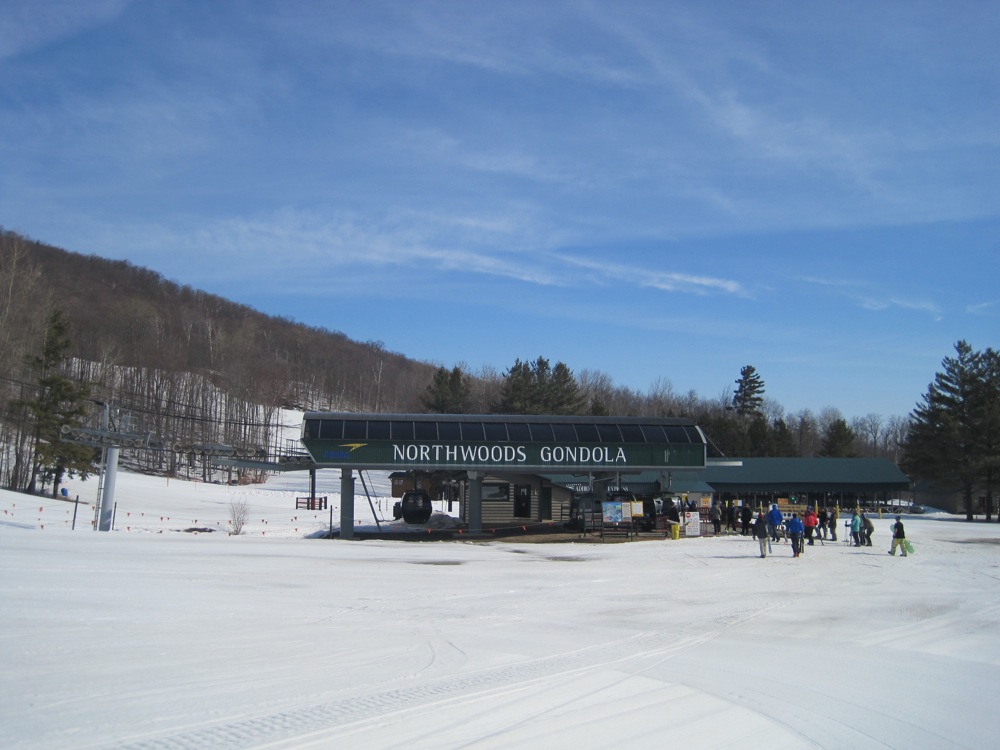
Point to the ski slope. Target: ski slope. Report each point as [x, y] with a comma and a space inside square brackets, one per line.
[151, 636]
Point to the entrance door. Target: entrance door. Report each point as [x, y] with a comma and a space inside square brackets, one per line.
[545, 504]
[522, 501]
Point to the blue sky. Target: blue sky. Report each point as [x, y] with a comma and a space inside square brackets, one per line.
[658, 191]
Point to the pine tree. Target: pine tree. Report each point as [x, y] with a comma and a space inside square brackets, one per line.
[990, 432]
[782, 440]
[448, 393]
[757, 436]
[749, 396]
[946, 441]
[838, 441]
[537, 388]
[564, 396]
[517, 394]
[597, 407]
[60, 401]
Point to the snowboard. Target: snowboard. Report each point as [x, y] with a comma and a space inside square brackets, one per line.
[907, 546]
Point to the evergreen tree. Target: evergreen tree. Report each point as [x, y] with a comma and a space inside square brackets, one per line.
[597, 407]
[537, 388]
[782, 440]
[517, 394]
[757, 440]
[564, 396]
[838, 441]
[749, 396]
[952, 428]
[990, 433]
[448, 393]
[60, 401]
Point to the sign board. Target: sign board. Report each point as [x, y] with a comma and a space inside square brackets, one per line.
[692, 520]
[524, 456]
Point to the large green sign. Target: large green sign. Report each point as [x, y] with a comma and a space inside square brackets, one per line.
[483, 456]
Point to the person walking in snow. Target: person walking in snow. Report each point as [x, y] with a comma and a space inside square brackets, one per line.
[856, 529]
[760, 531]
[824, 519]
[898, 537]
[810, 522]
[867, 529]
[715, 516]
[795, 530]
[732, 516]
[834, 519]
[774, 521]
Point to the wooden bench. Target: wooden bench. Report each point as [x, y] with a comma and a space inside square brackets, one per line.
[619, 528]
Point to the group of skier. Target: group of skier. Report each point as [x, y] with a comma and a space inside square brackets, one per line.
[812, 526]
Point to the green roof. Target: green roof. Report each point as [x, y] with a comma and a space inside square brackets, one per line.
[807, 474]
[777, 475]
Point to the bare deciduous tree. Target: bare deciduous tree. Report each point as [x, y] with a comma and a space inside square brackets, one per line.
[239, 512]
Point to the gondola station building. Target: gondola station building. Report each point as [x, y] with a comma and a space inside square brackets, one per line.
[517, 471]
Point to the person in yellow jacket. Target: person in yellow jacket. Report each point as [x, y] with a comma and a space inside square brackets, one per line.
[898, 537]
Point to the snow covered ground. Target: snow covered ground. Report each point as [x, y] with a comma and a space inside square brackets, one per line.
[150, 637]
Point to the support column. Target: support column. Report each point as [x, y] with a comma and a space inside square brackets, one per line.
[108, 495]
[475, 502]
[346, 504]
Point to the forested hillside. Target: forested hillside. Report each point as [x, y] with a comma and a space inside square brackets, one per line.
[174, 362]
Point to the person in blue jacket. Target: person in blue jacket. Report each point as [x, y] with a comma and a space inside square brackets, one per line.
[774, 521]
[795, 529]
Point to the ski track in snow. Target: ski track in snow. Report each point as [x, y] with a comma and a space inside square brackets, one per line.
[260, 731]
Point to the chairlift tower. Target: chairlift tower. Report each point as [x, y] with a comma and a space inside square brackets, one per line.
[110, 442]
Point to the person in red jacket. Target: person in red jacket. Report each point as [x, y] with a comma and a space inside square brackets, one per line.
[810, 521]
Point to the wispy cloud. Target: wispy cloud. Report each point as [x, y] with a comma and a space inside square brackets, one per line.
[342, 245]
[836, 283]
[924, 306]
[984, 308]
[863, 294]
[345, 245]
[666, 281]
